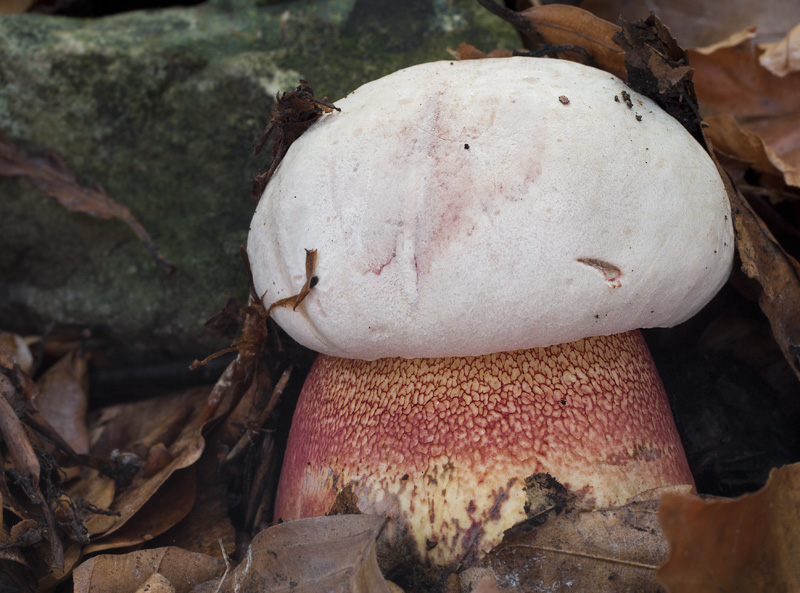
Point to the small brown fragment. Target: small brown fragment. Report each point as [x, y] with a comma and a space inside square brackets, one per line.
[346, 503]
[657, 67]
[627, 97]
[564, 100]
[311, 281]
[611, 273]
[294, 114]
[466, 51]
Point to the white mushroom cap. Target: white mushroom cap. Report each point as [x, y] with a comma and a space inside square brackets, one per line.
[466, 208]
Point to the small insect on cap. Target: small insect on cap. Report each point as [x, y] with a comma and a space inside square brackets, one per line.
[466, 208]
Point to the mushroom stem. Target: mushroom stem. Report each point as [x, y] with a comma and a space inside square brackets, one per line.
[443, 446]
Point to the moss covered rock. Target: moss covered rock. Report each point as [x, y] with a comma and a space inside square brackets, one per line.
[162, 109]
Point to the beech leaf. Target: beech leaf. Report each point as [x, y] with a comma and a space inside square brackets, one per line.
[335, 553]
[124, 573]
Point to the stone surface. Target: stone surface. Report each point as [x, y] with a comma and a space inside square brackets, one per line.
[162, 108]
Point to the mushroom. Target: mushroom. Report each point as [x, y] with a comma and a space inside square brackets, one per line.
[486, 252]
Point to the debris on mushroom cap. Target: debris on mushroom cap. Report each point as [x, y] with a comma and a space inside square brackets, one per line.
[555, 224]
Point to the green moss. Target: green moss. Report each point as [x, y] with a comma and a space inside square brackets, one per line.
[162, 108]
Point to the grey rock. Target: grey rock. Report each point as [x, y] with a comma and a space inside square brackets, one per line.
[162, 109]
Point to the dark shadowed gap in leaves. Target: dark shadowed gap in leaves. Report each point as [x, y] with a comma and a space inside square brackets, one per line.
[95, 8]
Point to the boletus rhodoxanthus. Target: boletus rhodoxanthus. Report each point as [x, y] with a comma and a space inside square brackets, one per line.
[490, 236]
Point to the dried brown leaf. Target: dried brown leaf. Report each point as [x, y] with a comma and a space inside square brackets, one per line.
[56, 575]
[781, 139]
[17, 350]
[733, 40]
[581, 550]
[97, 490]
[750, 544]
[572, 32]
[14, 6]
[156, 583]
[128, 424]
[731, 80]
[51, 176]
[697, 23]
[778, 274]
[227, 322]
[783, 57]
[334, 553]
[749, 146]
[124, 573]
[164, 509]
[63, 399]
[208, 523]
[466, 51]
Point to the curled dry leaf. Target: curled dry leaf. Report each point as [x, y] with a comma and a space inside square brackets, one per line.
[759, 85]
[164, 509]
[124, 573]
[782, 58]
[141, 423]
[26, 470]
[334, 553]
[750, 544]
[731, 140]
[566, 30]
[17, 350]
[51, 176]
